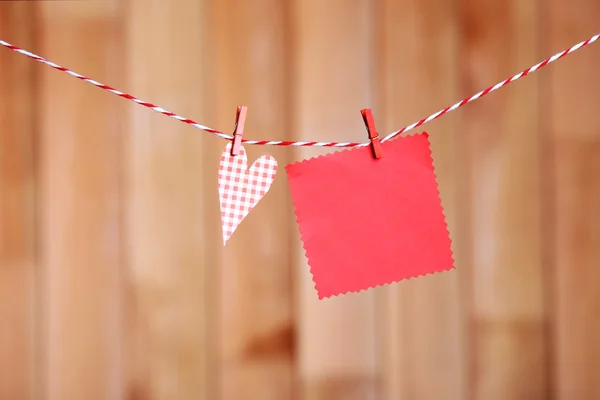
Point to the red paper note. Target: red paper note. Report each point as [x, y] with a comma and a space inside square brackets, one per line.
[367, 222]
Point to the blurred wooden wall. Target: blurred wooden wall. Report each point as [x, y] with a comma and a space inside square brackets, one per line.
[114, 284]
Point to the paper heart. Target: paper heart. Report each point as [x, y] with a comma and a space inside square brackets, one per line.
[240, 188]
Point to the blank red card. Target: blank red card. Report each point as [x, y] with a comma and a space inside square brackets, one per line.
[367, 222]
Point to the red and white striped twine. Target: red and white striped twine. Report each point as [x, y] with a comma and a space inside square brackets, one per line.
[310, 144]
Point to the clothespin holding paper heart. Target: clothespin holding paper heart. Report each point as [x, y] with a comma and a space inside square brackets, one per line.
[240, 188]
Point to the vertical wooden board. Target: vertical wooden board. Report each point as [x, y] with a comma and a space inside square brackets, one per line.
[17, 184]
[169, 346]
[573, 129]
[257, 325]
[80, 210]
[334, 60]
[502, 144]
[421, 323]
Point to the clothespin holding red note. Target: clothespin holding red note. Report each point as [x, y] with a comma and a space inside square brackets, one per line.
[240, 120]
[373, 135]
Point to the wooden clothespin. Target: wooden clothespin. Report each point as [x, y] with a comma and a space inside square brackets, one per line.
[240, 120]
[373, 135]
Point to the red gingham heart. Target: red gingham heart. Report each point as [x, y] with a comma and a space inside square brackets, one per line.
[240, 188]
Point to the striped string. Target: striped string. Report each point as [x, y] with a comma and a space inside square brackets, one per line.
[304, 144]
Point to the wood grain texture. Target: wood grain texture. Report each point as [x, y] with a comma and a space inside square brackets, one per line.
[115, 285]
[333, 80]
[250, 66]
[421, 323]
[80, 208]
[18, 283]
[168, 279]
[573, 130]
[501, 138]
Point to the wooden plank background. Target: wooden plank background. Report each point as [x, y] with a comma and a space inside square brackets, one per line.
[114, 284]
